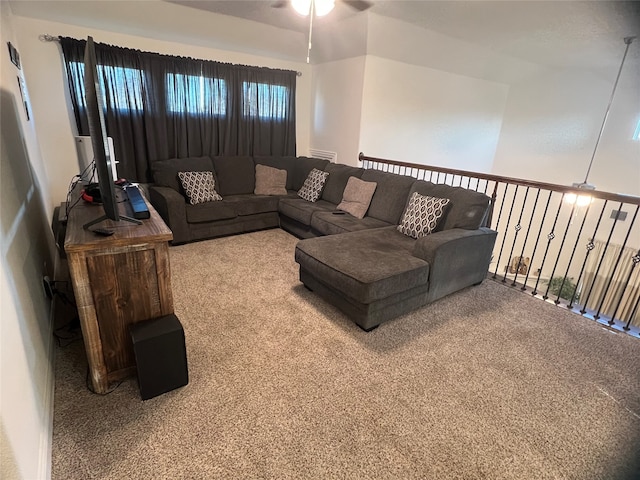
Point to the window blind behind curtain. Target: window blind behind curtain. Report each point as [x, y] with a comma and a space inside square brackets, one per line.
[161, 106]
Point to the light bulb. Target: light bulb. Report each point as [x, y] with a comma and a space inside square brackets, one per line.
[322, 7]
[578, 200]
[303, 7]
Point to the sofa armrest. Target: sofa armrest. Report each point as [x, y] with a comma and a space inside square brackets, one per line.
[171, 207]
[457, 258]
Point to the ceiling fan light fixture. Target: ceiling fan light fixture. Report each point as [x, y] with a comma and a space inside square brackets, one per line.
[322, 7]
[303, 7]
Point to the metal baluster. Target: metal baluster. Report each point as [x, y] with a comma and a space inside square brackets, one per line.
[634, 261]
[506, 228]
[635, 308]
[535, 246]
[526, 238]
[518, 227]
[431, 175]
[604, 252]
[615, 267]
[550, 238]
[575, 246]
[555, 265]
[590, 246]
[486, 186]
[495, 190]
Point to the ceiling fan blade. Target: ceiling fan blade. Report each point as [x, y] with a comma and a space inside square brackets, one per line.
[279, 4]
[360, 5]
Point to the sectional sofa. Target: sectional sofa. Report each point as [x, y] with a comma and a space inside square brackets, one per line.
[372, 268]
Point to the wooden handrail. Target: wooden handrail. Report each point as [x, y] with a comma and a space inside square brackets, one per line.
[616, 197]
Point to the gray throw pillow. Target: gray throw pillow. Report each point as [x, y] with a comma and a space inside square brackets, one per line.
[199, 187]
[357, 197]
[270, 181]
[422, 214]
[313, 185]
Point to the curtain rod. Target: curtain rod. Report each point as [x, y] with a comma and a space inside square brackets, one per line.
[45, 37]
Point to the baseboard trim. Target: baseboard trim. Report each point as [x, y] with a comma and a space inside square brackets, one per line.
[46, 434]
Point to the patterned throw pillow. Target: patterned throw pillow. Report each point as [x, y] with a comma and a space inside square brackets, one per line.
[313, 185]
[199, 187]
[421, 216]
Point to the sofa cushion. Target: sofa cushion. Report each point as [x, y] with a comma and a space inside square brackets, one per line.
[165, 172]
[467, 209]
[301, 168]
[357, 197]
[210, 212]
[281, 163]
[330, 223]
[313, 185]
[366, 266]
[337, 181]
[250, 204]
[301, 210]
[270, 181]
[199, 187]
[422, 215]
[390, 197]
[235, 175]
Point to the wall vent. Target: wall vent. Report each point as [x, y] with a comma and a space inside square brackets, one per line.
[324, 154]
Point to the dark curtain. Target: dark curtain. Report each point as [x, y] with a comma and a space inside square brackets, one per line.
[161, 106]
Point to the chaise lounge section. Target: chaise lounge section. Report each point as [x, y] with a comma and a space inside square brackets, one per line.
[376, 275]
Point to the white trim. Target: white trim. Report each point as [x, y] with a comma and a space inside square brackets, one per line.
[46, 434]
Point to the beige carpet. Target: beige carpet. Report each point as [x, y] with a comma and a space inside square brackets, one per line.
[488, 383]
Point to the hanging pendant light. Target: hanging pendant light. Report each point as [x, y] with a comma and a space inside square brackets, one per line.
[584, 200]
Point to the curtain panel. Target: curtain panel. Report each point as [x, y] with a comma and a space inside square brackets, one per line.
[162, 106]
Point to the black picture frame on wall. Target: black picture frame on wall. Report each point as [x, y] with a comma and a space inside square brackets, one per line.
[14, 55]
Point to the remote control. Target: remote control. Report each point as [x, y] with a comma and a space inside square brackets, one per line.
[105, 232]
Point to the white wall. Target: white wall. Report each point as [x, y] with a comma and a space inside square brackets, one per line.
[421, 115]
[552, 122]
[48, 89]
[26, 244]
[337, 107]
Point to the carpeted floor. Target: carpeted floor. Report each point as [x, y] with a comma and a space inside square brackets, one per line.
[488, 383]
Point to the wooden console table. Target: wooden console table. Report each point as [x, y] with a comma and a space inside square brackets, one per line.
[117, 281]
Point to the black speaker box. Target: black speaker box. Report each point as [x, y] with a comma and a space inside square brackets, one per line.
[161, 355]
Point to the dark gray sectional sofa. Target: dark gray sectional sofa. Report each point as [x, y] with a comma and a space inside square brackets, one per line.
[365, 267]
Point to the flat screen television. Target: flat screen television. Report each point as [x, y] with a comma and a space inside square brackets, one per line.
[94, 101]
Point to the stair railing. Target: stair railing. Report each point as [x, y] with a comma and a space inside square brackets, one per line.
[576, 248]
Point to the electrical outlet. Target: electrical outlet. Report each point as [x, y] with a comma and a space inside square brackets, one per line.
[618, 215]
[48, 286]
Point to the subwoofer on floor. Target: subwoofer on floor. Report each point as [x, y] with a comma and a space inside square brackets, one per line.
[161, 355]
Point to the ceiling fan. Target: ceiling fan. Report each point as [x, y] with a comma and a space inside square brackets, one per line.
[313, 8]
[320, 7]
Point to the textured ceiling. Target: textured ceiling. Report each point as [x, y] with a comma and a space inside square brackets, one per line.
[551, 33]
[543, 33]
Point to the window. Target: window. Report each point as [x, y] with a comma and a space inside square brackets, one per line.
[636, 135]
[265, 101]
[196, 94]
[125, 86]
